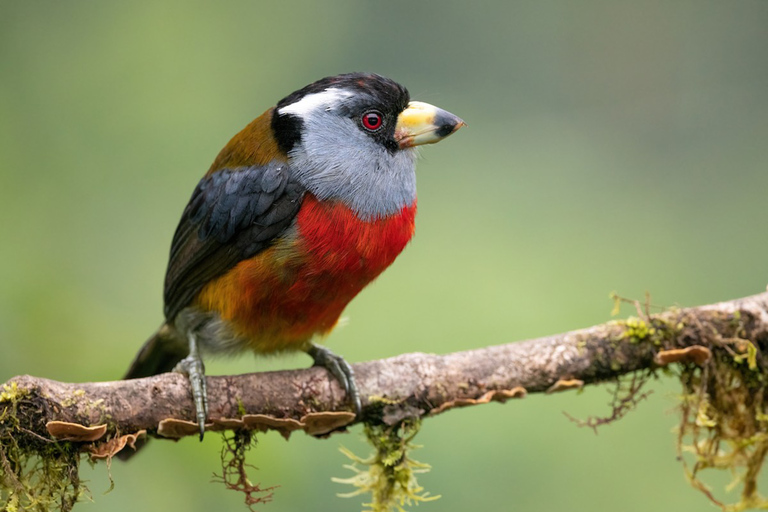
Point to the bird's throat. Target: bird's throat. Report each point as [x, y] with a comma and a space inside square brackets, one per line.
[343, 244]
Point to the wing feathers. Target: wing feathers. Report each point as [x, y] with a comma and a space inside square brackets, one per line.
[233, 214]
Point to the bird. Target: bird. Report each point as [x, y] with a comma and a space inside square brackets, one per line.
[302, 209]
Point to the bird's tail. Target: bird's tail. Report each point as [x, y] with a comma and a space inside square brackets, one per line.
[160, 354]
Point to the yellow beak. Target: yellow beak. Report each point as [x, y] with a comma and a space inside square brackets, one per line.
[422, 123]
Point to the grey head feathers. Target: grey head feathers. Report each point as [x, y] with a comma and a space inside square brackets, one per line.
[335, 157]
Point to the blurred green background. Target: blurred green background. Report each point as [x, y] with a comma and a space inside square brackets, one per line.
[612, 145]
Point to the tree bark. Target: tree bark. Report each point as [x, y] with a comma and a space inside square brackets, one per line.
[409, 385]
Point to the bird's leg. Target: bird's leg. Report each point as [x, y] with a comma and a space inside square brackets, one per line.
[341, 370]
[192, 366]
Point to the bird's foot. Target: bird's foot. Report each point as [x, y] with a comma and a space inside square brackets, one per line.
[342, 372]
[192, 366]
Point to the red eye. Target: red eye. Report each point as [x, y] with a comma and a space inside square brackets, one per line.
[372, 120]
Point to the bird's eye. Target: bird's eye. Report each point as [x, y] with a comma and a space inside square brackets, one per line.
[372, 120]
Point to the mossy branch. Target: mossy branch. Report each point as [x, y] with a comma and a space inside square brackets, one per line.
[405, 386]
[719, 350]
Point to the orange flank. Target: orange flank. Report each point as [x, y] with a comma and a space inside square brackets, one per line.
[299, 287]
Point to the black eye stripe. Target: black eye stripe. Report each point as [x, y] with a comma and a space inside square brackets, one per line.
[287, 130]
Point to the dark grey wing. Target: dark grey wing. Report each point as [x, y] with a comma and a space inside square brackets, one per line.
[233, 214]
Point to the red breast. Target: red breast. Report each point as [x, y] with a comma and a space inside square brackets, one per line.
[300, 286]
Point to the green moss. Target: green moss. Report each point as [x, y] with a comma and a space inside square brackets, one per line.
[724, 420]
[390, 477]
[11, 393]
[637, 330]
[749, 356]
[240, 407]
[36, 473]
[724, 423]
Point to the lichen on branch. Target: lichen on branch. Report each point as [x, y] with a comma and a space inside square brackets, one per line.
[719, 351]
[724, 425]
[36, 473]
[389, 474]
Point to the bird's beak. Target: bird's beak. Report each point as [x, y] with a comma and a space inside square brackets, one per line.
[422, 123]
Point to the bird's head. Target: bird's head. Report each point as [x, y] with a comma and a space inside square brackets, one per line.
[351, 138]
[356, 108]
[347, 138]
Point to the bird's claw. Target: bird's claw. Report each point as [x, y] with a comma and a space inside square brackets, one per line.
[192, 366]
[341, 371]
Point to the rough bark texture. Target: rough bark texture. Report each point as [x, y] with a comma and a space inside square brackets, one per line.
[403, 386]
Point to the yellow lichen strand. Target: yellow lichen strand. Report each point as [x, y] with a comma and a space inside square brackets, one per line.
[637, 330]
[391, 475]
[724, 423]
[10, 393]
[38, 478]
[35, 474]
[241, 407]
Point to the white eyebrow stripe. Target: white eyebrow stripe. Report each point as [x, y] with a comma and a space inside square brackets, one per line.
[312, 102]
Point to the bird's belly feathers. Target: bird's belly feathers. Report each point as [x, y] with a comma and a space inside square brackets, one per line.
[299, 287]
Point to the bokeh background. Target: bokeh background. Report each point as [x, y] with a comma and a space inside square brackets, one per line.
[612, 145]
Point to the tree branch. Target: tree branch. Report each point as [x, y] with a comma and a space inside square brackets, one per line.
[392, 389]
